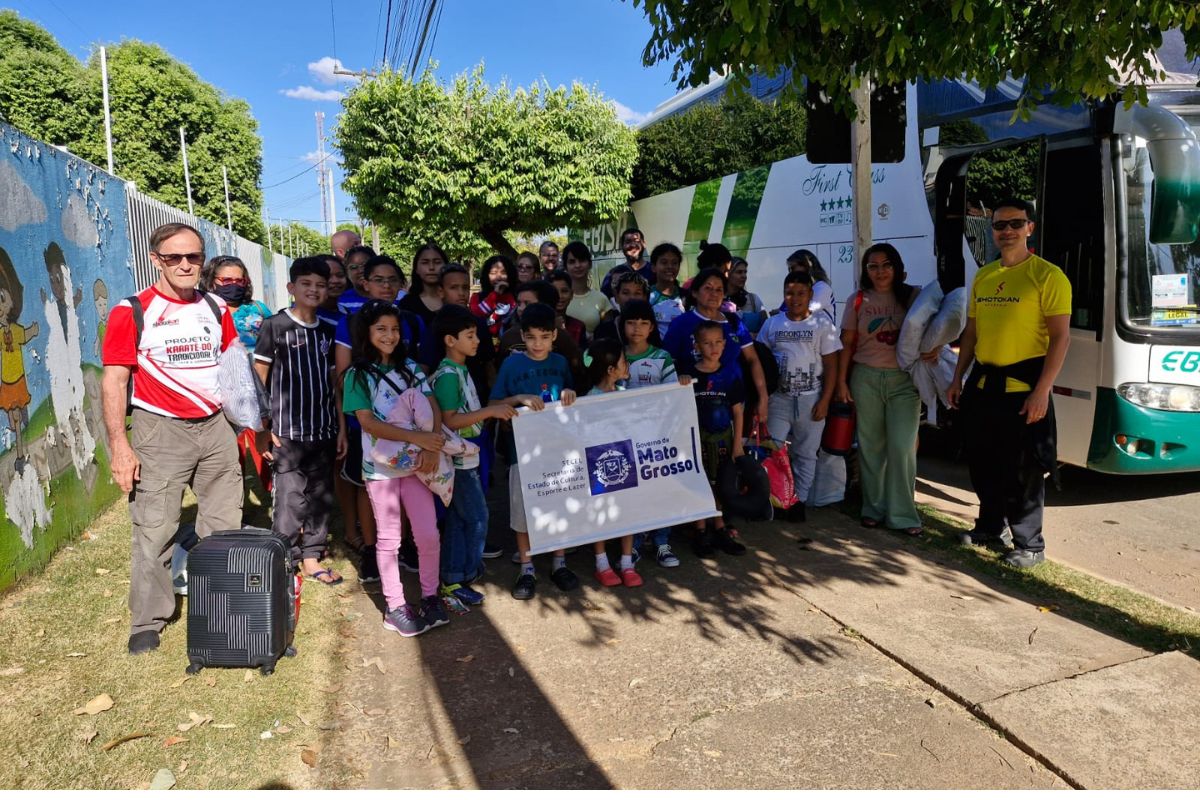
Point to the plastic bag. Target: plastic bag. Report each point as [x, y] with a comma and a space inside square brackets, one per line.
[241, 391]
[776, 461]
[829, 481]
[920, 313]
[947, 325]
[413, 412]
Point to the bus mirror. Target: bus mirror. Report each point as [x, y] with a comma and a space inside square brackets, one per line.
[1175, 195]
[1175, 161]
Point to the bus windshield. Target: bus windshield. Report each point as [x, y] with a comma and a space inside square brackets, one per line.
[1162, 280]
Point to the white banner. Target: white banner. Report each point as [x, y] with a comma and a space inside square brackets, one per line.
[610, 465]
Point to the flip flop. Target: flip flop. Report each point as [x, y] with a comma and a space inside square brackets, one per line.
[916, 531]
[316, 576]
[868, 522]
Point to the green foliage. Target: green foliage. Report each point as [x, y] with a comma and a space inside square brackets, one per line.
[711, 140]
[429, 159]
[1068, 49]
[994, 175]
[48, 94]
[296, 240]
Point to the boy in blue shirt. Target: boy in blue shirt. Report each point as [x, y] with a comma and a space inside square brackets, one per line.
[533, 378]
[720, 398]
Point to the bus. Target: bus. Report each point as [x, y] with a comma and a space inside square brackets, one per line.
[1118, 197]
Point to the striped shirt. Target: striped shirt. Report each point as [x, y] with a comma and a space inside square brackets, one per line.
[299, 383]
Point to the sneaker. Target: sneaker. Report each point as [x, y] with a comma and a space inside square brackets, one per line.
[405, 620]
[1024, 559]
[143, 642]
[526, 587]
[462, 593]
[666, 556]
[492, 550]
[727, 539]
[607, 577]
[516, 557]
[630, 578]
[564, 579]
[368, 568]
[1000, 542]
[409, 563]
[433, 611]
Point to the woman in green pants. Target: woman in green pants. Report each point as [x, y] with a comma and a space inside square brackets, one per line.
[884, 396]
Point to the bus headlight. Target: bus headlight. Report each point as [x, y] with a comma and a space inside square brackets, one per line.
[1163, 396]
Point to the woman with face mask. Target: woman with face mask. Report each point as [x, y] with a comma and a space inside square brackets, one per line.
[228, 279]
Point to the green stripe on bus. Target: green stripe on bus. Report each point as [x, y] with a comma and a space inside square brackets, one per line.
[704, 206]
[743, 210]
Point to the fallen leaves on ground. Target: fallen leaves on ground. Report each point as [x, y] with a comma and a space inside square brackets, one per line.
[309, 757]
[171, 741]
[1031, 633]
[249, 676]
[98, 704]
[8, 672]
[377, 662]
[181, 681]
[102, 571]
[76, 655]
[197, 720]
[1048, 609]
[465, 659]
[129, 737]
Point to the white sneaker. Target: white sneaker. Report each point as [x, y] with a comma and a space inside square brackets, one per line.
[666, 557]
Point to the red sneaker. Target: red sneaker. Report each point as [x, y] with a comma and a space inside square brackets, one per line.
[608, 578]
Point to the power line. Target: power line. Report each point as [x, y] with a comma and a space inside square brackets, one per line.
[386, 28]
[333, 28]
[416, 55]
[319, 162]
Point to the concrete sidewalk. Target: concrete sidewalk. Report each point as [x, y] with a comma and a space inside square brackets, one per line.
[853, 661]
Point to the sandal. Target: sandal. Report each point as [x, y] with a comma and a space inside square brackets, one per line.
[867, 522]
[316, 576]
[916, 531]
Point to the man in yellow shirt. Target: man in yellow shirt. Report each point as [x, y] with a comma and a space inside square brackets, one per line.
[1018, 329]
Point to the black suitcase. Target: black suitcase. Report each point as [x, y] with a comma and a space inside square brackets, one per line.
[241, 601]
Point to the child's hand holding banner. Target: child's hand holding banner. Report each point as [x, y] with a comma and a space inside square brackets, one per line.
[611, 464]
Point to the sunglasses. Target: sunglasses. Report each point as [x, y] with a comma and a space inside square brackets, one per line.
[173, 259]
[231, 282]
[1011, 224]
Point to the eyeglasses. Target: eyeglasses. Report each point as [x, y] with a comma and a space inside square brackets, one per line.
[1011, 224]
[173, 259]
[379, 280]
[231, 282]
[886, 265]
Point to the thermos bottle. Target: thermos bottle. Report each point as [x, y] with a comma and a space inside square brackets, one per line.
[838, 438]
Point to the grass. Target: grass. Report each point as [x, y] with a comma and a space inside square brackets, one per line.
[1115, 610]
[64, 643]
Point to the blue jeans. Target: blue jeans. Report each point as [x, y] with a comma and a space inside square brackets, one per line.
[466, 527]
[659, 537]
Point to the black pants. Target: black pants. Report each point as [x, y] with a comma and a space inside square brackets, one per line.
[303, 494]
[1005, 472]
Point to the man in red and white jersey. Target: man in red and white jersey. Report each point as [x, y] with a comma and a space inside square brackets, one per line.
[178, 436]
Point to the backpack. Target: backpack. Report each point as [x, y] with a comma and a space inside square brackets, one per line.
[770, 367]
[139, 324]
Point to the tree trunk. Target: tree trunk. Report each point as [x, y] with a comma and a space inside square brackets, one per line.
[498, 242]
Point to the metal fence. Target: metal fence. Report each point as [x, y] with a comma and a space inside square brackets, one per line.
[268, 271]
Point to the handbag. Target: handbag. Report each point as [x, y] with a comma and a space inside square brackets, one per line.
[776, 461]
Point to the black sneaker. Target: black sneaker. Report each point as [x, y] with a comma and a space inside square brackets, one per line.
[564, 579]
[1024, 559]
[526, 587]
[433, 611]
[727, 540]
[143, 642]
[368, 568]
[702, 544]
[1001, 542]
[492, 550]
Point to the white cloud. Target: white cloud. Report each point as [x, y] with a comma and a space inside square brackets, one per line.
[309, 93]
[627, 114]
[311, 157]
[77, 224]
[322, 71]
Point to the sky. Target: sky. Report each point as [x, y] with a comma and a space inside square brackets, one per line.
[278, 56]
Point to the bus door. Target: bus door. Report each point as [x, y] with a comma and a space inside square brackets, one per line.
[1065, 179]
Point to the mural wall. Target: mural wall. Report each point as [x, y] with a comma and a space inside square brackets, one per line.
[65, 259]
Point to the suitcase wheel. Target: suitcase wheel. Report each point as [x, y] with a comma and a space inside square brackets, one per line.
[267, 669]
[290, 652]
[194, 667]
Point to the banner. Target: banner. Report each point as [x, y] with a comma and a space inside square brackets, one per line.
[610, 465]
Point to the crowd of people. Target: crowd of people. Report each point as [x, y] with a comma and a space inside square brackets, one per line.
[391, 402]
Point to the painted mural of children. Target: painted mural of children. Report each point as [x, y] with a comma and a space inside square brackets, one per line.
[100, 298]
[14, 389]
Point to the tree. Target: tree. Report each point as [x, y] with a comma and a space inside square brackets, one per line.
[1068, 49]
[48, 94]
[296, 240]
[710, 140]
[994, 175]
[422, 157]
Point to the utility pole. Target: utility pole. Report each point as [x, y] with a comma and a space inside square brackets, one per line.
[228, 210]
[860, 168]
[267, 214]
[107, 113]
[322, 178]
[375, 236]
[187, 178]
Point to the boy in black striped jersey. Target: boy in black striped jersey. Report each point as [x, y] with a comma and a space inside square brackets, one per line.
[294, 358]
